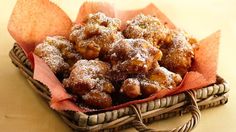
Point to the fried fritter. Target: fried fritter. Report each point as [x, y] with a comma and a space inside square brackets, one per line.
[96, 98]
[85, 75]
[131, 56]
[149, 87]
[178, 52]
[105, 85]
[102, 20]
[157, 79]
[165, 78]
[148, 28]
[146, 85]
[52, 57]
[93, 41]
[95, 38]
[131, 88]
[66, 48]
[89, 75]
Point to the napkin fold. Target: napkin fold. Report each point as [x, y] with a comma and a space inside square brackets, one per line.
[32, 20]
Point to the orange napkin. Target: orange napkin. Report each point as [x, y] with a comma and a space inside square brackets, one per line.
[32, 20]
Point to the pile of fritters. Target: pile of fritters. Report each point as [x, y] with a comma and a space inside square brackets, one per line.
[99, 59]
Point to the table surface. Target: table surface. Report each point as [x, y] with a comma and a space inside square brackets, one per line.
[21, 109]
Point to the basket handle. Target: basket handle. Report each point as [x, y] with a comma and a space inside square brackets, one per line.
[189, 125]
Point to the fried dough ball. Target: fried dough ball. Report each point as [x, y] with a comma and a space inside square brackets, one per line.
[158, 78]
[98, 99]
[105, 85]
[173, 32]
[102, 20]
[75, 31]
[87, 76]
[149, 87]
[66, 48]
[165, 78]
[52, 57]
[154, 81]
[178, 52]
[132, 56]
[131, 88]
[95, 38]
[148, 28]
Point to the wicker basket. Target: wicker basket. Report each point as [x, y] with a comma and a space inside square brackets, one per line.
[135, 115]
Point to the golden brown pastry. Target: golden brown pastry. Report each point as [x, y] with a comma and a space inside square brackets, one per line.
[149, 87]
[98, 99]
[146, 85]
[131, 56]
[66, 48]
[105, 85]
[164, 77]
[178, 52]
[95, 38]
[102, 20]
[87, 76]
[131, 88]
[52, 57]
[148, 28]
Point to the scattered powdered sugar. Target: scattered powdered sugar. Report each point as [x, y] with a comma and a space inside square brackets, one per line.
[52, 57]
[168, 78]
[146, 27]
[58, 41]
[103, 20]
[133, 55]
[91, 66]
[45, 49]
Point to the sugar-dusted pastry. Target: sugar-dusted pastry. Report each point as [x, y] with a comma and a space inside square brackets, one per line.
[97, 99]
[146, 85]
[178, 52]
[52, 57]
[96, 37]
[87, 76]
[102, 20]
[133, 56]
[146, 27]
[131, 88]
[164, 77]
[66, 48]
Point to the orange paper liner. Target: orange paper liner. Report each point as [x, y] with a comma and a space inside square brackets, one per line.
[32, 20]
[29, 27]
